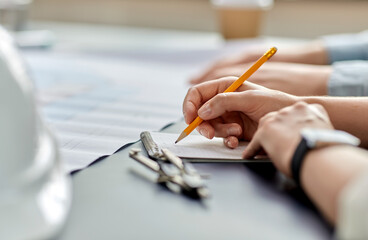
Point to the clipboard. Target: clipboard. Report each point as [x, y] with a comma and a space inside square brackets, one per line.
[154, 152]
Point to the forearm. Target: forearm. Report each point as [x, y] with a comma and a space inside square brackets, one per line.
[325, 172]
[329, 49]
[311, 53]
[349, 114]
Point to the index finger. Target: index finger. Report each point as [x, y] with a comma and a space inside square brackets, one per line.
[201, 93]
[253, 147]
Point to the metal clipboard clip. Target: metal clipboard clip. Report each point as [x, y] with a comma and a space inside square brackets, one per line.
[174, 172]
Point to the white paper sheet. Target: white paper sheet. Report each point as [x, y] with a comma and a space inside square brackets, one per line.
[197, 146]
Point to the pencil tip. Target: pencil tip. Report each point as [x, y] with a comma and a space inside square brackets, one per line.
[182, 135]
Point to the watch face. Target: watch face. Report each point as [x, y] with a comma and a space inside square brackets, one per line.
[316, 138]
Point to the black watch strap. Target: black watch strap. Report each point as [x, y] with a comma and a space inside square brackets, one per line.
[297, 160]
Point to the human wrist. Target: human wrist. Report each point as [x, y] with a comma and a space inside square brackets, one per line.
[311, 53]
[316, 53]
[285, 154]
[321, 78]
[312, 139]
[315, 79]
[312, 99]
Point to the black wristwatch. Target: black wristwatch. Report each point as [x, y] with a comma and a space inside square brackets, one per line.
[313, 138]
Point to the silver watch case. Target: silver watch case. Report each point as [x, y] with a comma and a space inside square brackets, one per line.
[317, 138]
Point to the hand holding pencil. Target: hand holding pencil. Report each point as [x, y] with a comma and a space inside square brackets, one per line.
[233, 87]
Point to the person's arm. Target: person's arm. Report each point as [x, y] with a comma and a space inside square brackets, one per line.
[326, 172]
[353, 209]
[242, 110]
[349, 114]
[348, 54]
[293, 78]
[347, 78]
[272, 120]
[313, 52]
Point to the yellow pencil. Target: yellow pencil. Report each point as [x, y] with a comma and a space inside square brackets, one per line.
[235, 85]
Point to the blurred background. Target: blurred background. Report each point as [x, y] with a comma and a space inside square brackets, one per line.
[287, 18]
[284, 18]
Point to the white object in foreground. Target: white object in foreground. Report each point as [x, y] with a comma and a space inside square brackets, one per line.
[35, 194]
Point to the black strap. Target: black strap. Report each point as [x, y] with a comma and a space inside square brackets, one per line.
[297, 160]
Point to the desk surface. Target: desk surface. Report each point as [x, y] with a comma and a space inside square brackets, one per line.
[116, 199]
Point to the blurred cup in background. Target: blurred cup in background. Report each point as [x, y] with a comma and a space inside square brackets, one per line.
[240, 18]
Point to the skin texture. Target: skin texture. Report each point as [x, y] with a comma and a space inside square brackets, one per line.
[232, 116]
[272, 121]
[235, 116]
[293, 78]
[278, 132]
[299, 70]
[325, 172]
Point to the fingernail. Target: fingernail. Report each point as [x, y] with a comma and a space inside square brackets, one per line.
[233, 131]
[204, 132]
[205, 111]
[231, 144]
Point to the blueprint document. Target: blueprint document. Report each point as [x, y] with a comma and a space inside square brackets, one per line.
[96, 104]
